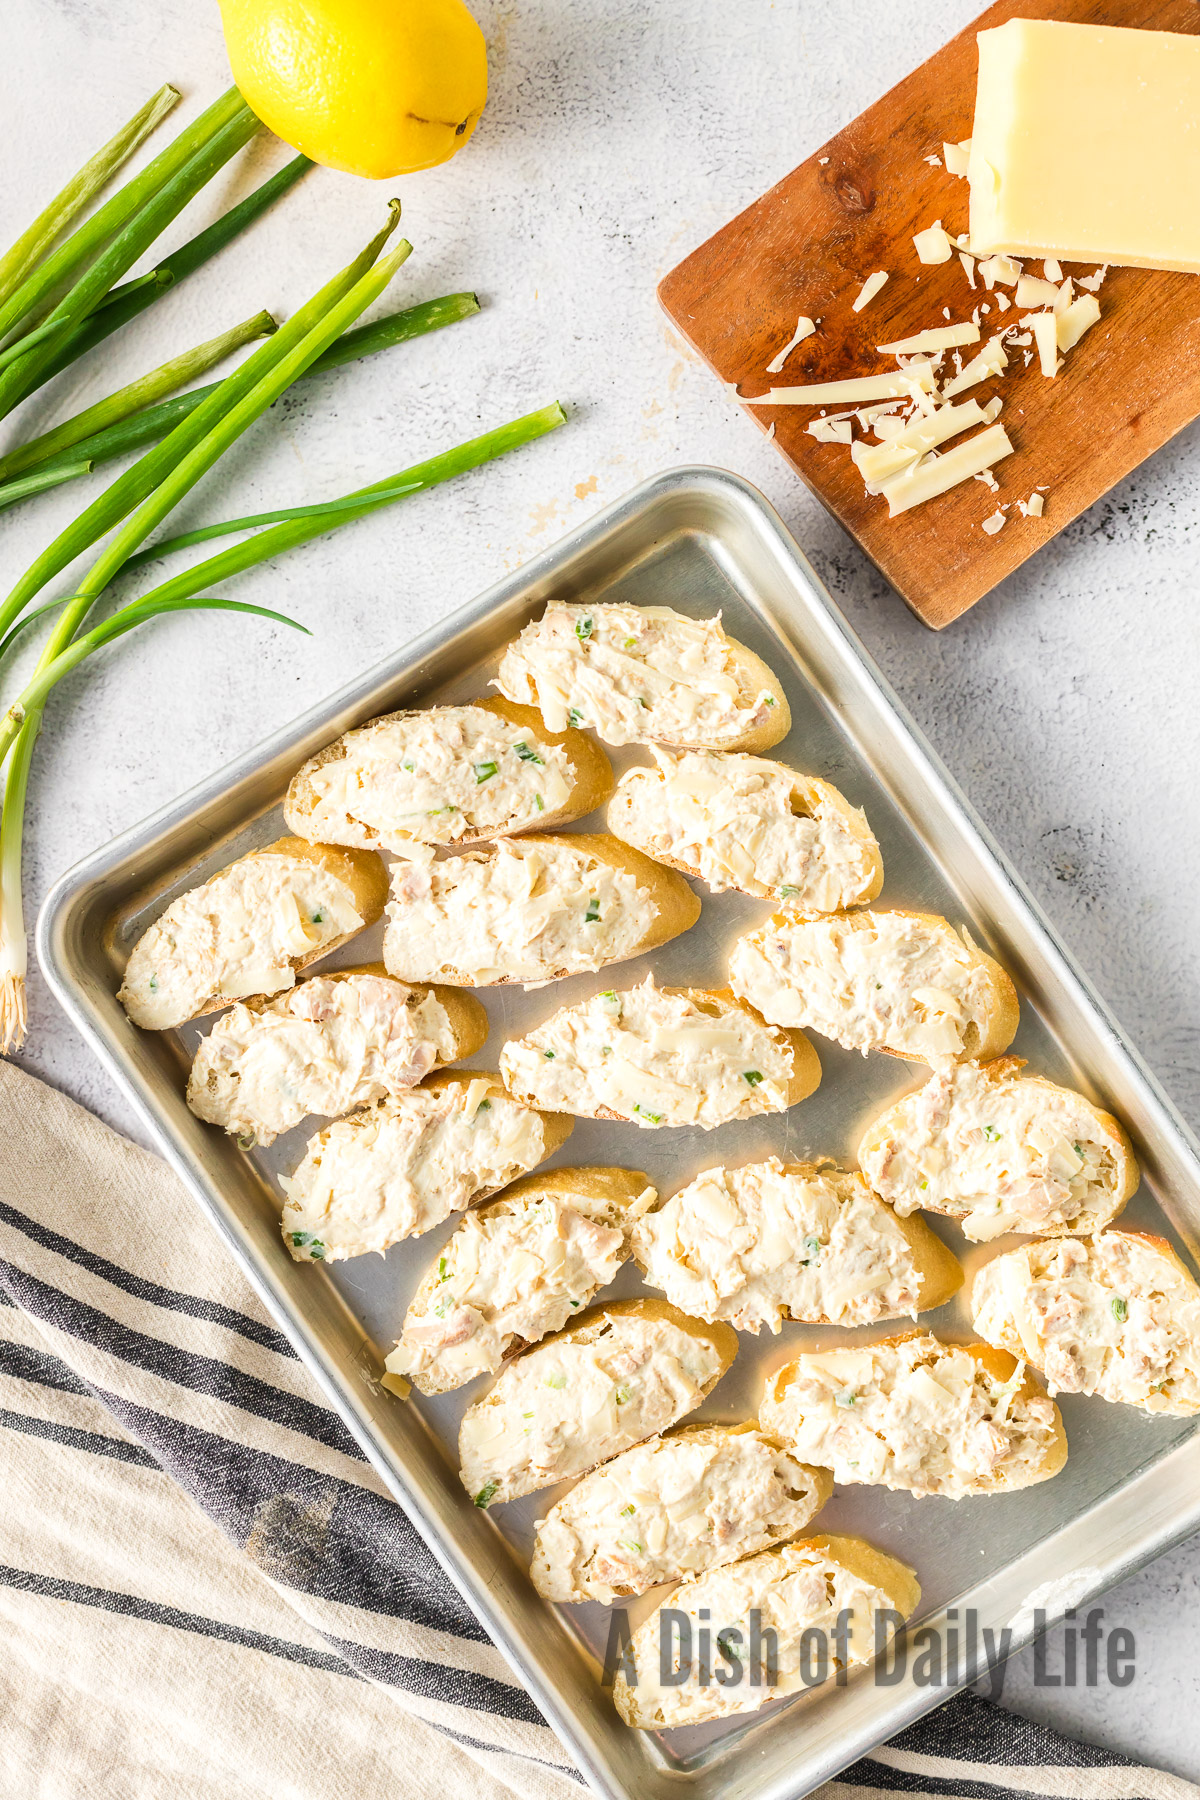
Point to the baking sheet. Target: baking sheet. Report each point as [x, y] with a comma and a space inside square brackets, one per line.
[699, 541]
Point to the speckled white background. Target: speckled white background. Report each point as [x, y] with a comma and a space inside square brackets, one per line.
[617, 137]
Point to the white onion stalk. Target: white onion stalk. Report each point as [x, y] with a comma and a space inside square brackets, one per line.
[13, 951]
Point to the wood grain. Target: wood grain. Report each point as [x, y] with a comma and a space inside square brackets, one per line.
[809, 243]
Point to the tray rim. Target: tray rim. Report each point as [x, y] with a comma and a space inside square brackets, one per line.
[73, 890]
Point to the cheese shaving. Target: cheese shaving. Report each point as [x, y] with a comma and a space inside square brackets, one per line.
[1053, 269]
[1033, 507]
[877, 464]
[870, 288]
[1044, 326]
[968, 263]
[994, 524]
[990, 361]
[831, 431]
[902, 384]
[957, 157]
[1005, 269]
[804, 329]
[1077, 318]
[1032, 292]
[1093, 281]
[939, 337]
[933, 245]
[918, 485]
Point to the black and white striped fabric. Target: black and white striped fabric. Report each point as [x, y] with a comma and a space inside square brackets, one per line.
[205, 1589]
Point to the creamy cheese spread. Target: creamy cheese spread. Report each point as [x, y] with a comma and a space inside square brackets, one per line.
[748, 1244]
[432, 778]
[652, 1058]
[870, 981]
[633, 673]
[1114, 1315]
[399, 1168]
[333, 1043]
[672, 1508]
[575, 1400]
[743, 822]
[786, 1592]
[529, 910]
[920, 1416]
[235, 936]
[995, 1152]
[512, 1272]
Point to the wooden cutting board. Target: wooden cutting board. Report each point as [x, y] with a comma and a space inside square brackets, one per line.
[853, 207]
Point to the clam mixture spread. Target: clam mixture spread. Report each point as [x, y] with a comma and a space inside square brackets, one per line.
[1115, 1315]
[573, 1401]
[748, 1244]
[673, 1507]
[653, 1058]
[785, 1591]
[870, 981]
[633, 673]
[427, 778]
[527, 911]
[399, 1168]
[235, 936]
[331, 1044]
[743, 822]
[514, 1271]
[920, 1416]
[997, 1153]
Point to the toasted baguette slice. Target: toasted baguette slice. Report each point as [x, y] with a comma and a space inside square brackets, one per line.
[801, 1586]
[531, 909]
[655, 1056]
[447, 775]
[397, 1169]
[250, 929]
[1117, 1315]
[330, 1044]
[903, 982]
[645, 675]
[619, 1374]
[801, 1241]
[523, 1265]
[918, 1416]
[999, 1153]
[671, 1508]
[745, 823]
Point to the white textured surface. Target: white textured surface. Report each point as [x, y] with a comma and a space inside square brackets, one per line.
[618, 136]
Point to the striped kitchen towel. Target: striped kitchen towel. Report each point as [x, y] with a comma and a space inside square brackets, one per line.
[206, 1592]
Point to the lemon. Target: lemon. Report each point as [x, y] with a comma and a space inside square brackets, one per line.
[374, 87]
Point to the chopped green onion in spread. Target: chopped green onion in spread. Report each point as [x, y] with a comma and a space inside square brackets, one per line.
[847, 1397]
[549, 1055]
[991, 1134]
[753, 1076]
[318, 918]
[528, 755]
[813, 1246]
[484, 772]
[606, 1049]
[484, 1106]
[443, 1306]
[1120, 1310]
[629, 643]
[484, 1496]
[1079, 1151]
[787, 891]
[925, 1183]
[642, 700]
[654, 1118]
[442, 1274]
[574, 1302]
[768, 699]
[583, 629]
[574, 716]
[246, 1140]
[592, 915]
[626, 1511]
[304, 1240]
[410, 767]
[153, 984]
[539, 803]
[628, 1544]
[556, 1381]
[621, 1395]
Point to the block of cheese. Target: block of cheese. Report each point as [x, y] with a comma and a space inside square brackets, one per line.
[1086, 144]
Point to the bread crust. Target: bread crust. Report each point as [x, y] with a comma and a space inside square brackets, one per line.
[590, 772]
[676, 907]
[753, 677]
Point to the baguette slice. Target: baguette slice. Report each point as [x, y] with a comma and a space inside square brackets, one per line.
[332, 1043]
[621, 1373]
[1117, 1315]
[799, 1587]
[645, 675]
[918, 1416]
[999, 1153]
[655, 1056]
[744, 823]
[802, 1241]
[249, 930]
[397, 1169]
[903, 982]
[672, 1508]
[447, 775]
[531, 909]
[520, 1267]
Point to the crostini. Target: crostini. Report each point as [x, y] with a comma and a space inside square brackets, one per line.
[1117, 1315]
[801, 1241]
[518, 1268]
[620, 1373]
[998, 1151]
[250, 929]
[531, 909]
[744, 1644]
[745, 823]
[330, 1044]
[903, 982]
[398, 1168]
[644, 675]
[918, 1416]
[654, 1056]
[447, 775]
[671, 1508]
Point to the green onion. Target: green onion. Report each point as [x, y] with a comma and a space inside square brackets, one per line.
[483, 770]
[583, 630]
[82, 188]
[592, 915]
[787, 891]
[13, 948]
[846, 1398]
[484, 1496]
[528, 755]
[555, 1381]
[574, 716]
[753, 1076]
[621, 1395]
[813, 1246]
[147, 389]
[991, 1134]
[653, 1117]
[1120, 1310]
[627, 1512]
[40, 480]
[441, 1269]
[539, 803]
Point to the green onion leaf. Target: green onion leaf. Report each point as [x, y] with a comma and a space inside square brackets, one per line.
[1120, 1310]
[753, 1076]
[484, 772]
[528, 755]
[484, 1497]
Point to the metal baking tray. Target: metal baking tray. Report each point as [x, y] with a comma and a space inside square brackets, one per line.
[700, 540]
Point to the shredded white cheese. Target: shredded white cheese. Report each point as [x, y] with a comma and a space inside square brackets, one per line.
[870, 287]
